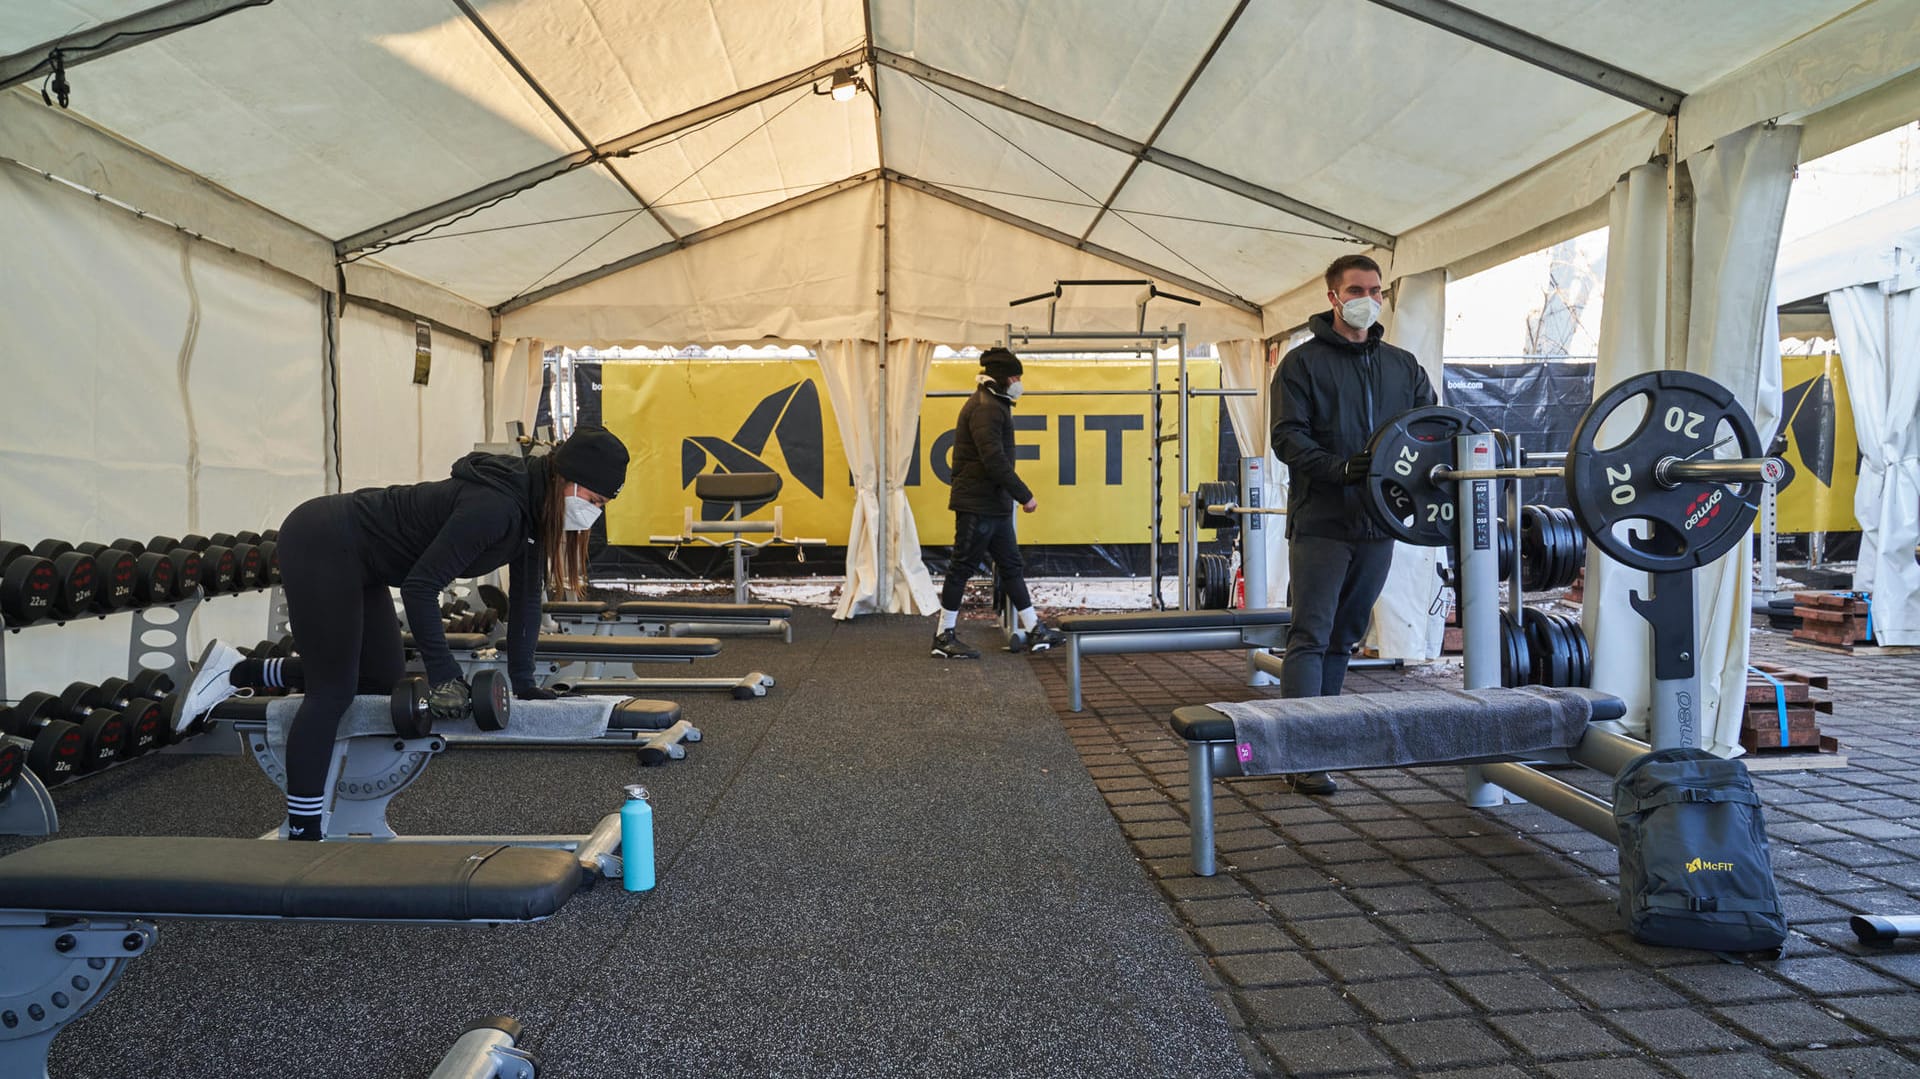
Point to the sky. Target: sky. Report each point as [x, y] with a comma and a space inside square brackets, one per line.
[1488, 313]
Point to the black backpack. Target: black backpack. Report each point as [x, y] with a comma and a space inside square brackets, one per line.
[1695, 871]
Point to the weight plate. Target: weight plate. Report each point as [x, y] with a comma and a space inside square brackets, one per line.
[408, 709]
[492, 700]
[1217, 494]
[1400, 493]
[1539, 647]
[1687, 416]
[1532, 547]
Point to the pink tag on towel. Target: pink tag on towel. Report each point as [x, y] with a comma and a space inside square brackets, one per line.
[1245, 751]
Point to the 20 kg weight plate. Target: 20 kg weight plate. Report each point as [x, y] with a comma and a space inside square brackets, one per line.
[1400, 493]
[1687, 417]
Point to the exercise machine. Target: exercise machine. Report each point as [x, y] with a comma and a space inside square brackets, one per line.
[75, 912]
[730, 492]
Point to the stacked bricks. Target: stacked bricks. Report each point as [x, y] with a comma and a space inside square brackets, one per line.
[1834, 619]
[1760, 728]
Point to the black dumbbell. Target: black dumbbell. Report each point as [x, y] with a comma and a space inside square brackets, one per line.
[77, 576]
[270, 562]
[13, 758]
[102, 730]
[247, 536]
[27, 585]
[57, 750]
[492, 703]
[146, 724]
[186, 568]
[153, 573]
[219, 569]
[119, 577]
[270, 534]
[284, 647]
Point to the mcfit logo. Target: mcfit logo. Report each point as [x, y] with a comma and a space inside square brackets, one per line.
[1698, 864]
[790, 417]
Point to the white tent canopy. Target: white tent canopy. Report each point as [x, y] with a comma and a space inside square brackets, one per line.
[601, 172]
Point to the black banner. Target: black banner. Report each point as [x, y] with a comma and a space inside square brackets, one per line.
[1541, 402]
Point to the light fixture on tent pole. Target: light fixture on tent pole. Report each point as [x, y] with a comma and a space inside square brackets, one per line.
[843, 84]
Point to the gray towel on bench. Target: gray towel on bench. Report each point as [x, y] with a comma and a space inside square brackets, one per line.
[1390, 730]
[565, 717]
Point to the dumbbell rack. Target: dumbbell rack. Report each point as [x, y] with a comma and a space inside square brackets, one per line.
[28, 808]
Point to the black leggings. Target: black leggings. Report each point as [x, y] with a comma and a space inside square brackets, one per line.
[976, 535]
[344, 626]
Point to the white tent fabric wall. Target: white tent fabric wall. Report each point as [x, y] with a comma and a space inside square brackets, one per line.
[1407, 623]
[1879, 337]
[1740, 202]
[1632, 341]
[852, 374]
[99, 324]
[391, 430]
[517, 378]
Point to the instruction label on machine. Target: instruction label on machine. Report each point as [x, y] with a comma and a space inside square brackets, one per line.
[1482, 496]
[1085, 457]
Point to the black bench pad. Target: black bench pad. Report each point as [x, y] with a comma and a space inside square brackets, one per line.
[232, 878]
[1121, 621]
[641, 714]
[1202, 723]
[552, 645]
[456, 642]
[736, 486]
[695, 611]
[574, 606]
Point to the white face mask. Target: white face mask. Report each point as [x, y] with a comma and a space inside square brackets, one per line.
[581, 514]
[1014, 391]
[1361, 312]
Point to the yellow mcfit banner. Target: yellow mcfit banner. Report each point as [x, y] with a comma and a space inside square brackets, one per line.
[1085, 457]
[1822, 452]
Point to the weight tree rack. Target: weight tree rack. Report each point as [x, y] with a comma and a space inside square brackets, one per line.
[28, 808]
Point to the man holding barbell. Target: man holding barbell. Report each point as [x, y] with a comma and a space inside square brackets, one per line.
[1327, 396]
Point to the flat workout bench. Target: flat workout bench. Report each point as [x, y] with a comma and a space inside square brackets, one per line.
[1169, 631]
[1213, 750]
[557, 651]
[74, 912]
[674, 618]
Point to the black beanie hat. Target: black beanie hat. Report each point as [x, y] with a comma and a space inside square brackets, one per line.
[1000, 363]
[593, 458]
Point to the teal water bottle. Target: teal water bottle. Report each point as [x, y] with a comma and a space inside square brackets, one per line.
[636, 840]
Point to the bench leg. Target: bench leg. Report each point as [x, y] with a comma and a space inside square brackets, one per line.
[1200, 806]
[1073, 667]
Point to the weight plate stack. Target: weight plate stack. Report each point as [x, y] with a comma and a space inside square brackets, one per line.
[1515, 661]
[1213, 582]
[1217, 494]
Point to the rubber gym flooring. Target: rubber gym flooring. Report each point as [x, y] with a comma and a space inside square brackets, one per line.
[889, 866]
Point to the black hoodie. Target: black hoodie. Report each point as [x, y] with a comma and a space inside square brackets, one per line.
[420, 537]
[1328, 396]
[984, 481]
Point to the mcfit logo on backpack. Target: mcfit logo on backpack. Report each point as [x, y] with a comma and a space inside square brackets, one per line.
[1697, 865]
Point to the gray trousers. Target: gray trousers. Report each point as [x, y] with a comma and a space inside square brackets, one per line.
[1334, 585]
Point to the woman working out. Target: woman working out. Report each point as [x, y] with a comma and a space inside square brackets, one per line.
[339, 554]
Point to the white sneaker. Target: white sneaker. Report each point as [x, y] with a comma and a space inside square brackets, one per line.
[212, 683]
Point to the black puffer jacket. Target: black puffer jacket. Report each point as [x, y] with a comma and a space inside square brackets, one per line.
[420, 537]
[983, 477]
[1328, 396]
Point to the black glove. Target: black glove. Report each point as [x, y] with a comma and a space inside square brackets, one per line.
[1354, 469]
[450, 699]
[532, 692]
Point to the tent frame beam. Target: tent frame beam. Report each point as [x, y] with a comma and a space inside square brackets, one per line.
[1211, 292]
[1134, 148]
[690, 239]
[1200, 68]
[1530, 48]
[108, 38]
[538, 174]
[473, 16]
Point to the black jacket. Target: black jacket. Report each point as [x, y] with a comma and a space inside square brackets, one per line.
[1328, 396]
[983, 477]
[420, 537]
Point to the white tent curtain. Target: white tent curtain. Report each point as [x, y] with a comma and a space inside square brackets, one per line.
[1243, 366]
[912, 591]
[1407, 623]
[852, 372]
[1879, 341]
[1740, 202]
[141, 404]
[516, 383]
[1632, 336]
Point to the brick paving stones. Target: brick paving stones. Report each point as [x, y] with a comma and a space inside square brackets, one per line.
[1389, 930]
